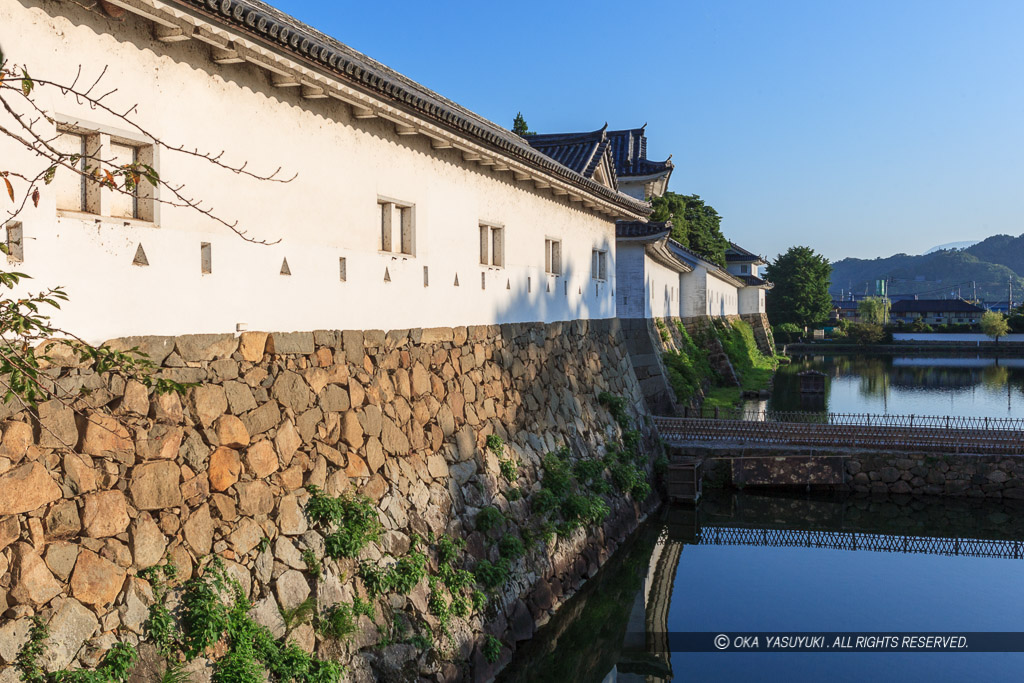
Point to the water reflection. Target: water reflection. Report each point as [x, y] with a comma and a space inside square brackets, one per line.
[969, 386]
[747, 562]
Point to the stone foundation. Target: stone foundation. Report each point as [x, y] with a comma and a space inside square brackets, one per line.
[116, 478]
[762, 332]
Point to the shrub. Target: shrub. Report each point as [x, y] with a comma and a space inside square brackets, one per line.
[510, 547]
[353, 518]
[557, 476]
[491, 649]
[509, 469]
[787, 333]
[489, 518]
[866, 333]
[495, 444]
[491, 576]
[616, 406]
[543, 501]
[408, 571]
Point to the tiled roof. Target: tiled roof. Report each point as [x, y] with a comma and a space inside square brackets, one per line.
[321, 52]
[582, 152]
[935, 305]
[641, 228]
[753, 281]
[737, 254]
[629, 147]
[845, 305]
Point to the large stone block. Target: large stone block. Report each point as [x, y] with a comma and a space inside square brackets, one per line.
[206, 347]
[155, 348]
[106, 434]
[291, 343]
[57, 427]
[70, 627]
[208, 402]
[225, 466]
[96, 581]
[104, 514]
[27, 488]
[156, 485]
[33, 584]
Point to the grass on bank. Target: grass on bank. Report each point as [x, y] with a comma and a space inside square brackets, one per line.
[689, 367]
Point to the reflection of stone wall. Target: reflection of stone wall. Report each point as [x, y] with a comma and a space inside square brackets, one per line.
[90, 496]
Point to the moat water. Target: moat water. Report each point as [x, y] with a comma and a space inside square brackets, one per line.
[918, 385]
[740, 562]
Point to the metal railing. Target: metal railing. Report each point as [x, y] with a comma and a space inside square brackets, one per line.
[911, 433]
[860, 419]
[852, 540]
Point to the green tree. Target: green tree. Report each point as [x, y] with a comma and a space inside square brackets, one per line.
[994, 325]
[800, 295]
[519, 126]
[874, 309]
[695, 224]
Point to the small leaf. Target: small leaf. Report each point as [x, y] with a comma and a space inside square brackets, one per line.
[35, 197]
[48, 176]
[10, 188]
[26, 83]
[110, 178]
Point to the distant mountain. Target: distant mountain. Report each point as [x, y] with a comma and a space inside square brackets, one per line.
[952, 245]
[992, 264]
[1002, 249]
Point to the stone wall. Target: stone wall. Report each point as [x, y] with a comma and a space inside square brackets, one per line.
[973, 476]
[762, 332]
[859, 471]
[115, 478]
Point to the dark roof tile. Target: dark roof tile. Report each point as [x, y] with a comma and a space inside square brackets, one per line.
[641, 228]
[935, 305]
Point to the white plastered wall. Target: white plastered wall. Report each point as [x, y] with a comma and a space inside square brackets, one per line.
[722, 297]
[330, 211]
[751, 300]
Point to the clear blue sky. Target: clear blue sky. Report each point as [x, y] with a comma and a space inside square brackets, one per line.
[857, 128]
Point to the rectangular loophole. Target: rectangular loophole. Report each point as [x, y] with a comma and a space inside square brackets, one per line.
[342, 269]
[426, 277]
[206, 257]
[529, 285]
[15, 241]
[483, 280]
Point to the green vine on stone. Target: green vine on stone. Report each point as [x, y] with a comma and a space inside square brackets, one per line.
[353, 521]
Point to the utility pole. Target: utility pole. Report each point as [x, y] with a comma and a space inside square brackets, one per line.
[1010, 302]
[974, 284]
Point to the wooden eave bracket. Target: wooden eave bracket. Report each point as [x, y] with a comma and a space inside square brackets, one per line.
[226, 55]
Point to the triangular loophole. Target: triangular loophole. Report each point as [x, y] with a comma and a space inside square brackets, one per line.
[456, 279]
[508, 284]
[387, 275]
[140, 257]
[285, 270]
[549, 286]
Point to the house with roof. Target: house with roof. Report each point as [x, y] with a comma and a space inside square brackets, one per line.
[746, 266]
[401, 207]
[936, 311]
[648, 272]
[709, 291]
[616, 158]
